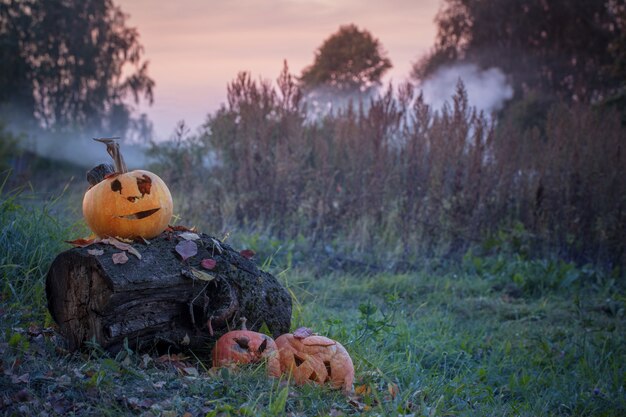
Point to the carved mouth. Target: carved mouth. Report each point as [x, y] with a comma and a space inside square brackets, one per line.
[140, 214]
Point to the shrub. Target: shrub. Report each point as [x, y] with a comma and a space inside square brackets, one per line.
[394, 174]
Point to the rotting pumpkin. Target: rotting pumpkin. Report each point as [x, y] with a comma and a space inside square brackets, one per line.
[246, 346]
[127, 204]
[312, 358]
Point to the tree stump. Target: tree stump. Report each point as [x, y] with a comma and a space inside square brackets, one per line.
[161, 299]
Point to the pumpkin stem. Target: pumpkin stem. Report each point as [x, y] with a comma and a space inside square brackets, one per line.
[113, 148]
[97, 174]
[243, 323]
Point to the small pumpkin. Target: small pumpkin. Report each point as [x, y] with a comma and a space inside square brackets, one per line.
[315, 358]
[127, 204]
[245, 346]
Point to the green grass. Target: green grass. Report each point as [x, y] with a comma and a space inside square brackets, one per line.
[500, 335]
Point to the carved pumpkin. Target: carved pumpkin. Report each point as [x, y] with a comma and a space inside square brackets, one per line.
[315, 358]
[127, 204]
[245, 346]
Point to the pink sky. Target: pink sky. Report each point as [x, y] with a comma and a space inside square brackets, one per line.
[195, 47]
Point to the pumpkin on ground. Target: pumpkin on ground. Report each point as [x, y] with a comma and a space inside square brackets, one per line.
[127, 204]
[315, 358]
[245, 346]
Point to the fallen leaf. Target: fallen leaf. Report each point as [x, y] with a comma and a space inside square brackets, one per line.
[136, 404]
[302, 333]
[189, 236]
[217, 245]
[174, 357]
[203, 276]
[186, 249]
[145, 360]
[61, 405]
[180, 229]
[359, 405]
[22, 396]
[364, 389]
[175, 360]
[34, 330]
[121, 246]
[191, 371]
[82, 242]
[158, 384]
[393, 390]
[247, 253]
[95, 252]
[208, 263]
[119, 258]
[22, 379]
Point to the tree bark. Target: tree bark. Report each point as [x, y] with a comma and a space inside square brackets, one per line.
[161, 300]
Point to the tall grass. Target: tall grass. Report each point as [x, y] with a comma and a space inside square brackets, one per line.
[30, 237]
[394, 176]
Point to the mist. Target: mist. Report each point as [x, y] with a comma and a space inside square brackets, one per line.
[84, 152]
[77, 148]
[324, 101]
[487, 90]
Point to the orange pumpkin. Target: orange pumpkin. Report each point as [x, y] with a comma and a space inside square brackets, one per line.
[127, 204]
[245, 346]
[315, 358]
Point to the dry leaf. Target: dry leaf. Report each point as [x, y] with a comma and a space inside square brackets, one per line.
[393, 390]
[364, 389]
[247, 253]
[189, 236]
[95, 252]
[191, 371]
[119, 258]
[208, 263]
[186, 249]
[171, 228]
[83, 242]
[22, 379]
[203, 276]
[174, 357]
[121, 246]
[359, 405]
[302, 333]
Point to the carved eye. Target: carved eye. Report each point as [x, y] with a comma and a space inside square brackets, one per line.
[147, 213]
[315, 358]
[246, 346]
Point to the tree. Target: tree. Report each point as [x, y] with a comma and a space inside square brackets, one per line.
[349, 60]
[71, 62]
[557, 46]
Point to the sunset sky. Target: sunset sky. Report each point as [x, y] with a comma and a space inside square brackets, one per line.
[195, 47]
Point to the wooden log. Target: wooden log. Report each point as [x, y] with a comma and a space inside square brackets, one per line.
[161, 299]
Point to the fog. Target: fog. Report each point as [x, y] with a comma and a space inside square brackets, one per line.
[487, 90]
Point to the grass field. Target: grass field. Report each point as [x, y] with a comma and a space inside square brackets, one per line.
[499, 335]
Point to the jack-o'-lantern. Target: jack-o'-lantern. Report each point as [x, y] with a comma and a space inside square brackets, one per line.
[315, 358]
[127, 204]
[245, 346]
